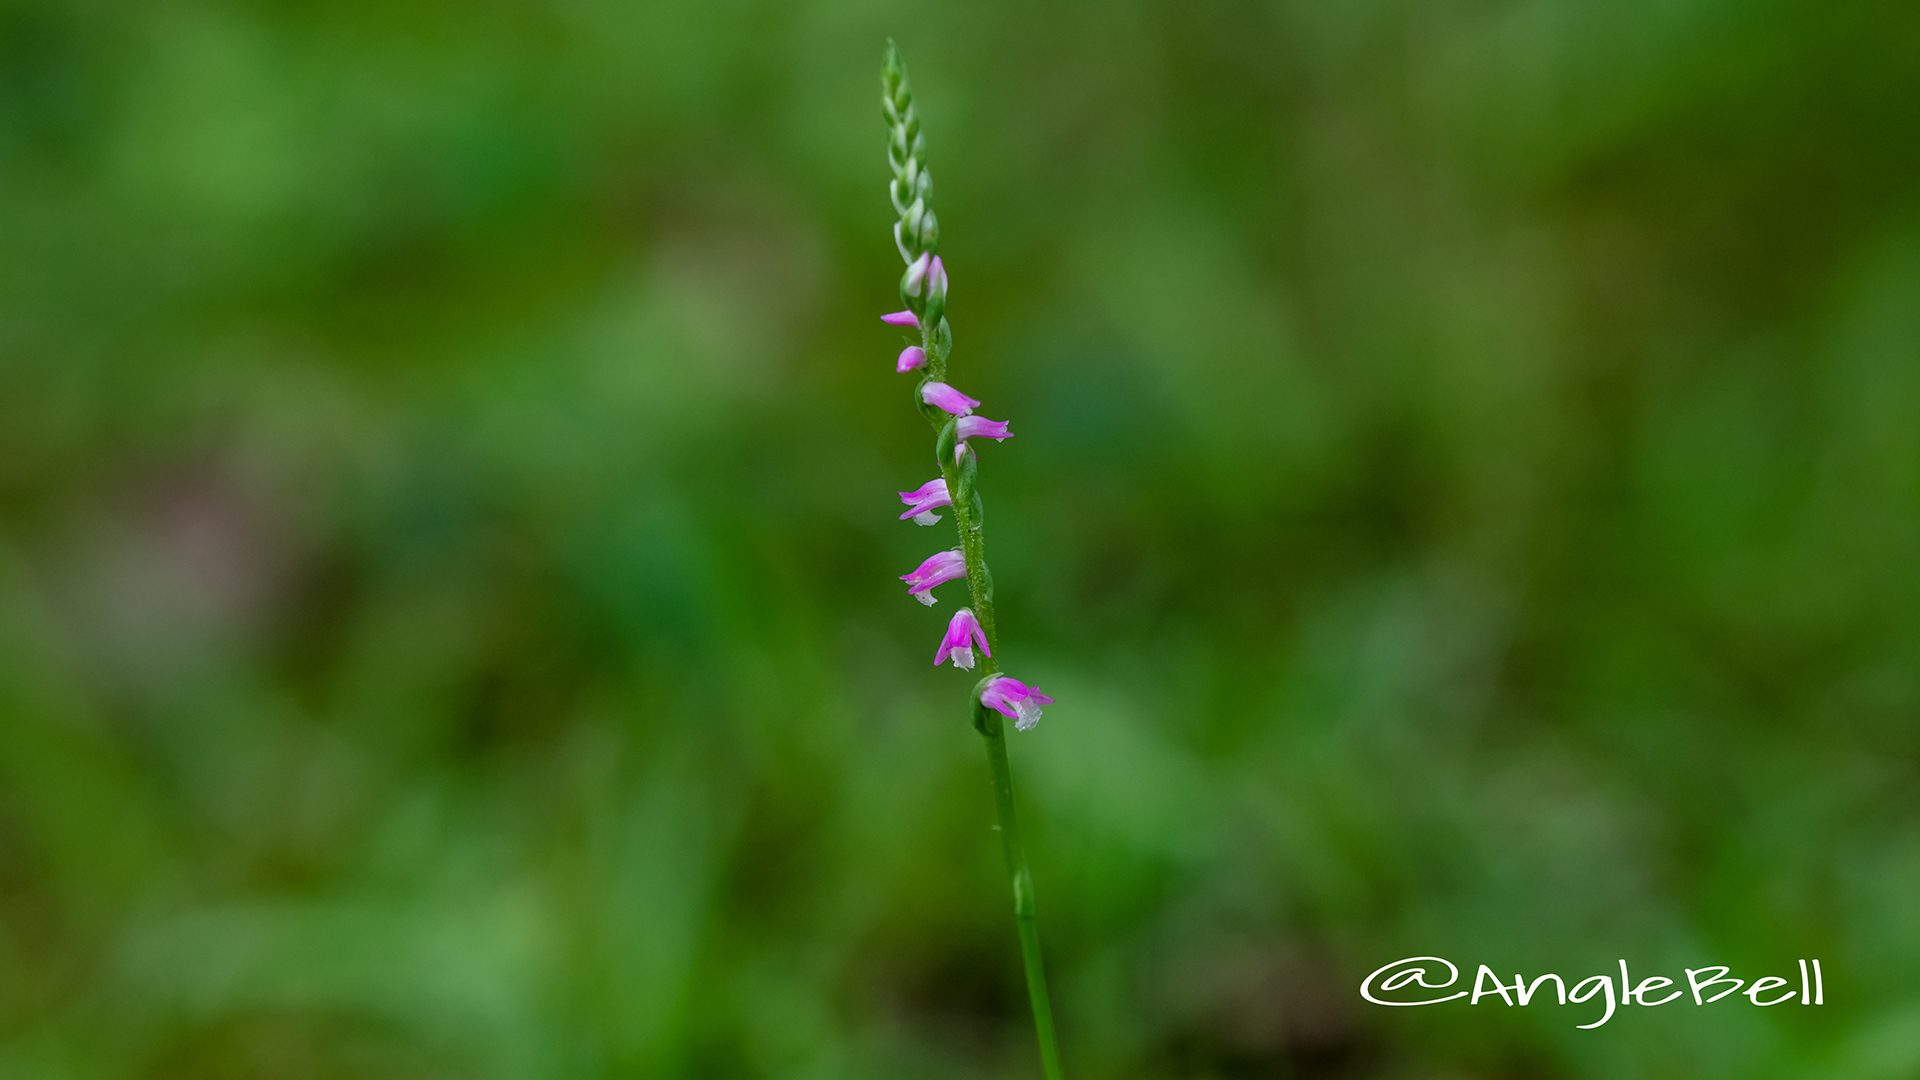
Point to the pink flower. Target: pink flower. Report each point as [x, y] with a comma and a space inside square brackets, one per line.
[906, 320]
[962, 633]
[924, 500]
[911, 357]
[941, 396]
[937, 279]
[1014, 700]
[938, 569]
[976, 427]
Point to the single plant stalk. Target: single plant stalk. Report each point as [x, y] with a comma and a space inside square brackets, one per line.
[993, 731]
[996, 697]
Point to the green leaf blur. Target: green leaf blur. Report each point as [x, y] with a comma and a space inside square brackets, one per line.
[1465, 503]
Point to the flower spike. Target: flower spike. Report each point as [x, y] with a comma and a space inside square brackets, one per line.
[970, 633]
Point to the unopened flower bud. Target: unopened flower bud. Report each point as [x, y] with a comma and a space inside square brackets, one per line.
[915, 279]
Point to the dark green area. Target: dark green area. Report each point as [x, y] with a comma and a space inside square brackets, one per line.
[1465, 501]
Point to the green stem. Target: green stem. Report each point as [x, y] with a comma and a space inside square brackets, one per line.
[918, 235]
[994, 732]
[966, 515]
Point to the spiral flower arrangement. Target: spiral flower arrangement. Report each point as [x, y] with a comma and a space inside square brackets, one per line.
[996, 697]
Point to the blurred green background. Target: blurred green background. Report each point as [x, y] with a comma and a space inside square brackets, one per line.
[1466, 503]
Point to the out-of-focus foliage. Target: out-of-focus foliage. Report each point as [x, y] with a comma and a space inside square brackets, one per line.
[1465, 503]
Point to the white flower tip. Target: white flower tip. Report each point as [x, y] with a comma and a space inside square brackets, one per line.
[925, 517]
[1029, 715]
[925, 597]
[917, 274]
[963, 659]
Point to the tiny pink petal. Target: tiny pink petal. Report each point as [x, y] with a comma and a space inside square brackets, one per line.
[941, 396]
[903, 319]
[938, 569]
[922, 502]
[979, 427]
[1014, 700]
[963, 633]
[911, 357]
[935, 486]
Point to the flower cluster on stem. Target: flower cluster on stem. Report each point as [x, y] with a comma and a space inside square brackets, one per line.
[924, 290]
